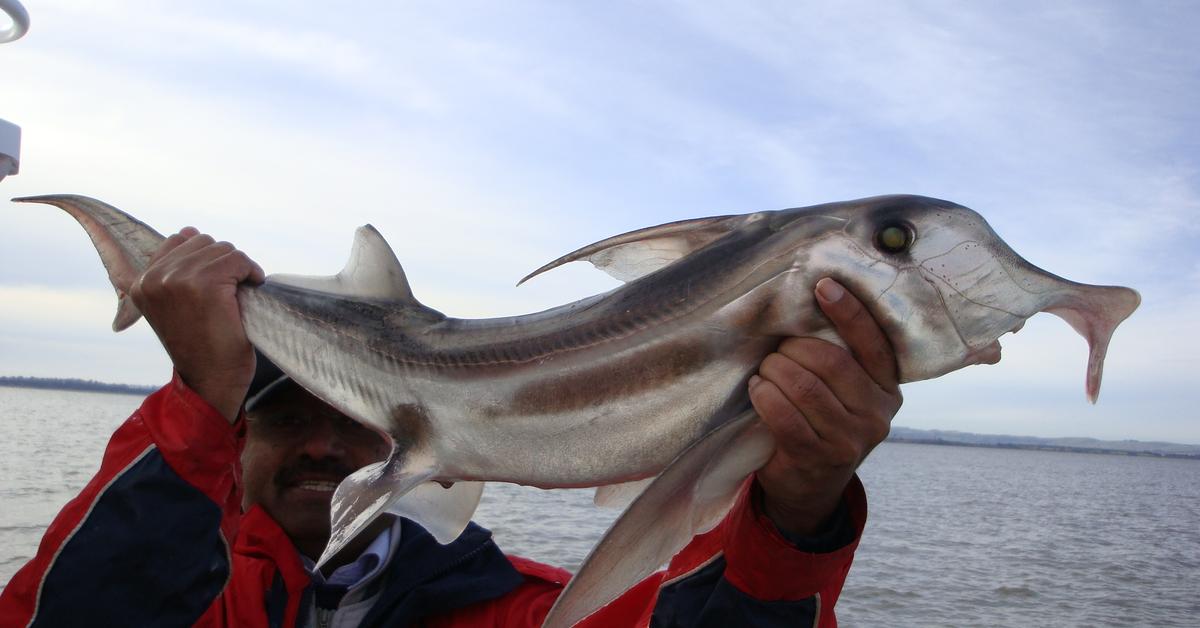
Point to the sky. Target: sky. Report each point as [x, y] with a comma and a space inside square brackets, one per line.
[484, 139]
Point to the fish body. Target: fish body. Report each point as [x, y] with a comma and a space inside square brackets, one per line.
[647, 380]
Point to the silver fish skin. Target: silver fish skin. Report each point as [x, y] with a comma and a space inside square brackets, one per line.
[617, 387]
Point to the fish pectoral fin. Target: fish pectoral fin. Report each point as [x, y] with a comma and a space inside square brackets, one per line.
[368, 493]
[125, 244]
[443, 511]
[690, 497]
[372, 272]
[637, 253]
[620, 495]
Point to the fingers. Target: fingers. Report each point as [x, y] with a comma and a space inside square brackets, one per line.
[173, 242]
[190, 253]
[827, 407]
[778, 411]
[860, 331]
[808, 394]
[188, 294]
[201, 255]
[794, 402]
[846, 398]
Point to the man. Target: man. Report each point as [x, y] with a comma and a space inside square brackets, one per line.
[160, 535]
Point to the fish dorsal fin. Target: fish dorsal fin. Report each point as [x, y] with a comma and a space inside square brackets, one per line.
[372, 272]
[638, 253]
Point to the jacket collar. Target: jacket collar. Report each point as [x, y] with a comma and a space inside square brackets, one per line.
[426, 578]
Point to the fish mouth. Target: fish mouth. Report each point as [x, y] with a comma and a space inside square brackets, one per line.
[987, 354]
[990, 353]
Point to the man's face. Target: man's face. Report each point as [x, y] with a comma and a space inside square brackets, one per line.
[298, 449]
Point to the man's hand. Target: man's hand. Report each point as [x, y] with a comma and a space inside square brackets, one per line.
[188, 294]
[827, 407]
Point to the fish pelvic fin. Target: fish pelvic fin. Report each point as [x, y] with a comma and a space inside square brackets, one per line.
[691, 496]
[400, 486]
[125, 244]
[444, 511]
[372, 272]
[638, 253]
[1095, 312]
[368, 493]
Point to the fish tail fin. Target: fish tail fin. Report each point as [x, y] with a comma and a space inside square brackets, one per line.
[402, 486]
[125, 244]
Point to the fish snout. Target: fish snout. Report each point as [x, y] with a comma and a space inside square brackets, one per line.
[1094, 312]
[987, 290]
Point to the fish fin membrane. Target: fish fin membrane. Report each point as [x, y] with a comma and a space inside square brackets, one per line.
[638, 253]
[691, 496]
[443, 511]
[620, 495]
[372, 272]
[127, 313]
[125, 244]
[368, 493]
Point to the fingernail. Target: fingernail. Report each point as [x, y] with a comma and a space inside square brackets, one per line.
[829, 290]
[754, 380]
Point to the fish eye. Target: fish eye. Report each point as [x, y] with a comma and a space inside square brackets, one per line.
[894, 238]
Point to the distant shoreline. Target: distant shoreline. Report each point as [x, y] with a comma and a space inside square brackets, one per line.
[1152, 449]
[898, 435]
[80, 385]
[1059, 448]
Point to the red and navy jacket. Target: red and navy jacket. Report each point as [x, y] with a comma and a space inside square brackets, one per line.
[159, 538]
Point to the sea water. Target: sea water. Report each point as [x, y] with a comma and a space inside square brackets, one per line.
[957, 536]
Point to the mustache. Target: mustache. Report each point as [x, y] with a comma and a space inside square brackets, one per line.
[290, 474]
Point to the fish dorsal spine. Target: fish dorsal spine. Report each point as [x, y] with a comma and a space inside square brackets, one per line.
[372, 272]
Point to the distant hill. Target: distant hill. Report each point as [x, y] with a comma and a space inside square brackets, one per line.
[54, 383]
[898, 434]
[1084, 445]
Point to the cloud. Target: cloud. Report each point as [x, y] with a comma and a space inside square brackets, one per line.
[56, 332]
[486, 140]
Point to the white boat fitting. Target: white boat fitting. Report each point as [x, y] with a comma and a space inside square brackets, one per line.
[20, 21]
[10, 134]
[10, 148]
